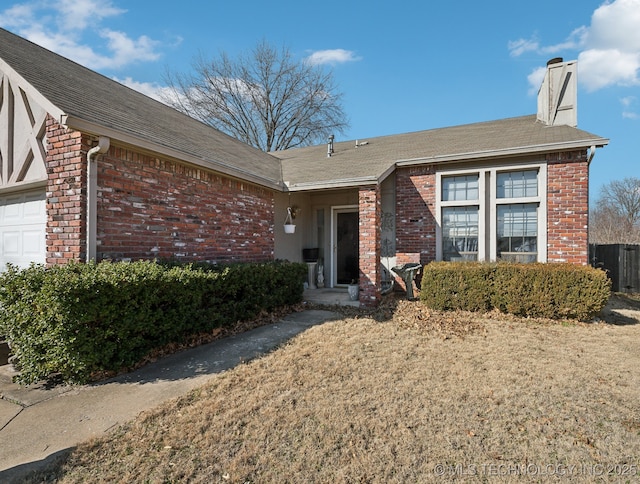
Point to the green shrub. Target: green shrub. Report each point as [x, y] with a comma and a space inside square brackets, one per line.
[550, 290]
[530, 290]
[457, 285]
[78, 319]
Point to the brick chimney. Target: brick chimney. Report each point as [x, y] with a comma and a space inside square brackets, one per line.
[558, 95]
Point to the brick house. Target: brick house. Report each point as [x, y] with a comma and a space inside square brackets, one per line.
[94, 170]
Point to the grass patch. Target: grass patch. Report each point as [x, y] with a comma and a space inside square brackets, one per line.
[388, 396]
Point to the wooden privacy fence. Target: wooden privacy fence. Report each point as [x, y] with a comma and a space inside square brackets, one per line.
[622, 263]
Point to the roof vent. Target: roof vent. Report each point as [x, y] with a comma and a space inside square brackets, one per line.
[330, 146]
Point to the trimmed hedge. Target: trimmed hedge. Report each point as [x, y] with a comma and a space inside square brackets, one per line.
[454, 285]
[552, 290]
[78, 319]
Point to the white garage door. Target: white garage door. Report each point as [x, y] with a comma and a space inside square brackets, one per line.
[23, 219]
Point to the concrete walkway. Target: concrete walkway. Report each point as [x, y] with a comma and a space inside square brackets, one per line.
[37, 424]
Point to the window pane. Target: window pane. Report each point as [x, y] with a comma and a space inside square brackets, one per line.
[464, 187]
[517, 232]
[517, 184]
[460, 233]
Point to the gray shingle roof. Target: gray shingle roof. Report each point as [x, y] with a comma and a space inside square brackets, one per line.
[89, 98]
[309, 167]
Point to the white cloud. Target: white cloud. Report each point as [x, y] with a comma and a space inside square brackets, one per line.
[59, 26]
[535, 79]
[627, 101]
[628, 105]
[332, 56]
[616, 25]
[600, 68]
[126, 49]
[151, 89]
[520, 46]
[612, 54]
[608, 49]
[82, 14]
[574, 41]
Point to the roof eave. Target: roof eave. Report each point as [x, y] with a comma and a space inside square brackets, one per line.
[124, 137]
[332, 184]
[501, 153]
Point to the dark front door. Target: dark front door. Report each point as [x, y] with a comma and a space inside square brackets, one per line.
[346, 246]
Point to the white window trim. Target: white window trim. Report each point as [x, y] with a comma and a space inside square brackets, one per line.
[335, 210]
[487, 203]
[459, 203]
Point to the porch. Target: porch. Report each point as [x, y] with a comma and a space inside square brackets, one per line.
[329, 296]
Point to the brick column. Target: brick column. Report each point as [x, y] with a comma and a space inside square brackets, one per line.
[66, 194]
[369, 208]
[568, 207]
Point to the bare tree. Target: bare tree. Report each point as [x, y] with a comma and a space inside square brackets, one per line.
[615, 218]
[266, 99]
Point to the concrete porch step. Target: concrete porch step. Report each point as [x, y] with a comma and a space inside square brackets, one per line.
[332, 296]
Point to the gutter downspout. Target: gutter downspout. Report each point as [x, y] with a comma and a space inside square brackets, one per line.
[592, 153]
[92, 197]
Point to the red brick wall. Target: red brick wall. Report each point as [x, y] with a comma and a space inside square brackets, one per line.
[149, 207]
[567, 210]
[369, 209]
[415, 214]
[66, 202]
[568, 207]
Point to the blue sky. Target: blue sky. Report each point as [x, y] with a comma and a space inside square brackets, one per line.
[404, 66]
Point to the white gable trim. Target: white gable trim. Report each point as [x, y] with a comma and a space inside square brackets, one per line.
[31, 91]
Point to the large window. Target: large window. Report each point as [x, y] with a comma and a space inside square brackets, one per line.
[456, 188]
[492, 213]
[459, 201]
[518, 232]
[517, 184]
[460, 233]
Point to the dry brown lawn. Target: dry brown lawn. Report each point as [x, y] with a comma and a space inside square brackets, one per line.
[417, 397]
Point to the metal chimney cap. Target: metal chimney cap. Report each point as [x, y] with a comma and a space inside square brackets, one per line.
[555, 60]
